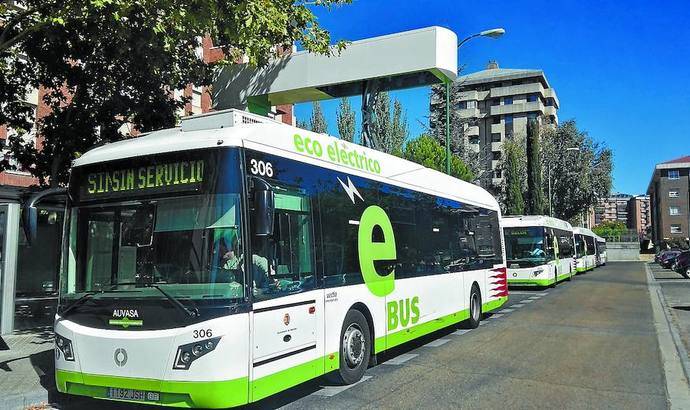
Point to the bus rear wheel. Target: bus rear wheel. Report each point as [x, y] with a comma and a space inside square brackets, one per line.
[355, 349]
[475, 308]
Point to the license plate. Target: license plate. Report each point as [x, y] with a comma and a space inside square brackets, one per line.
[132, 394]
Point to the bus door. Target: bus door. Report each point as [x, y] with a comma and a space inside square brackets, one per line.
[288, 304]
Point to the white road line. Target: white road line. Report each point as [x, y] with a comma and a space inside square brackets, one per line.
[497, 316]
[506, 310]
[673, 354]
[543, 293]
[330, 391]
[534, 297]
[517, 305]
[398, 360]
[437, 343]
[461, 332]
[527, 301]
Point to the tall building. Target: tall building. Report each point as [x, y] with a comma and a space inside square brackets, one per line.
[613, 208]
[669, 196]
[494, 105]
[639, 215]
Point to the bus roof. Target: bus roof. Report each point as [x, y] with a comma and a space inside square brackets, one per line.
[535, 220]
[219, 129]
[584, 231]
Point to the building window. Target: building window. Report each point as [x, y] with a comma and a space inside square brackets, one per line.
[674, 210]
[675, 228]
[495, 137]
[532, 98]
[472, 104]
[531, 116]
[496, 155]
[673, 193]
[673, 174]
[508, 118]
[496, 119]
[462, 105]
[474, 140]
[498, 173]
[507, 100]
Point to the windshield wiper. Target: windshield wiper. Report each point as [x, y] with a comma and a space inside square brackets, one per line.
[77, 303]
[192, 313]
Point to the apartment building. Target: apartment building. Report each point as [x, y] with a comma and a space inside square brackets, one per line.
[494, 105]
[669, 197]
[613, 208]
[639, 214]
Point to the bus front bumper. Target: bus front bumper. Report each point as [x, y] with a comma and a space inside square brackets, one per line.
[209, 394]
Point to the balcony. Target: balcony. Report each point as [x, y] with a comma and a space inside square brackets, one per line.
[470, 95]
[497, 128]
[517, 108]
[534, 88]
[550, 93]
[497, 146]
[472, 131]
[469, 113]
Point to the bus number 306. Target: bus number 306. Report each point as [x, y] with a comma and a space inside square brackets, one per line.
[261, 168]
[203, 333]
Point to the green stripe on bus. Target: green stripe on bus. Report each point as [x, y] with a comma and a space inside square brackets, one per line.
[211, 394]
[530, 282]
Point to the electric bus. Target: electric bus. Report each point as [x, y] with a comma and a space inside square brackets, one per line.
[217, 263]
[540, 250]
[585, 249]
[601, 250]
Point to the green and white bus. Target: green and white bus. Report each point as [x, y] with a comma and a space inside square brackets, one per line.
[540, 250]
[585, 249]
[215, 264]
[601, 250]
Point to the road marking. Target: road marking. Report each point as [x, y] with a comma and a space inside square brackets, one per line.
[497, 316]
[527, 301]
[543, 293]
[506, 310]
[398, 360]
[518, 305]
[330, 391]
[673, 354]
[534, 298]
[461, 332]
[437, 343]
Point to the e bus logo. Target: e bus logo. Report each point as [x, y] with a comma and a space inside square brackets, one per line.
[371, 252]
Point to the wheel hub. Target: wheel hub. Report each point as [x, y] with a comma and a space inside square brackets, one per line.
[475, 307]
[354, 346]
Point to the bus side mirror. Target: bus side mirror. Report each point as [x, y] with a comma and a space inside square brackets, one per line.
[30, 213]
[264, 207]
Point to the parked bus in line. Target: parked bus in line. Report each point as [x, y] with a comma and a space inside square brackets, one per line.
[217, 263]
[540, 250]
[601, 250]
[585, 249]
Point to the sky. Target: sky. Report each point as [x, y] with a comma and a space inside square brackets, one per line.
[620, 69]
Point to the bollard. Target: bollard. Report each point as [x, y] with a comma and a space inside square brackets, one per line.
[3, 345]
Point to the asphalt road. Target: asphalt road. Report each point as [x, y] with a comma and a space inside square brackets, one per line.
[588, 343]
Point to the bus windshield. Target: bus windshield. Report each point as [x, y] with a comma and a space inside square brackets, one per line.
[189, 245]
[525, 245]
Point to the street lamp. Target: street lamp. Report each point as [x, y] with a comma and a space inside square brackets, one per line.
[571, 149]
[492, 33]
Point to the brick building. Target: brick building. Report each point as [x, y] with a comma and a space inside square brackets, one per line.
[669, 196]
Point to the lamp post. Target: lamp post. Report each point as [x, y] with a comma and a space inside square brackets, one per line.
[573, 149]
[492, 33]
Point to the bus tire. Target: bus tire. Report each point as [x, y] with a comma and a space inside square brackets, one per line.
[355, 349]
[475, 308]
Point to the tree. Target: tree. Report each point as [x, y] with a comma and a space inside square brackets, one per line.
[111, 63]
[580, 169]
[514, 203]
[426, 151]
[317, 122]
[535, 196]
[610, 229]
[345, 118]
[390, 129]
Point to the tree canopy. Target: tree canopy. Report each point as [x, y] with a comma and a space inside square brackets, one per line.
[345, 118]
[610, 229]
[426, 151]
[317, 121]
[108, 64]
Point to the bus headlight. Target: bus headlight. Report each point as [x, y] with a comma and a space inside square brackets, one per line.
[188, 353]
[64, 346]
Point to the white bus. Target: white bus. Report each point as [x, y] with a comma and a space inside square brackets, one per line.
[601, 250]
[540, 250]
[215, 264]
[585, 249]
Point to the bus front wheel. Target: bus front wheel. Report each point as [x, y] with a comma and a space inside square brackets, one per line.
[355, 348]
[475, 308]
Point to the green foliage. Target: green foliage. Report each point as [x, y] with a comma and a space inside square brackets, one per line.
[514, 202]
[317, 122]
[426, 151]
[345, 118]
[535, 197]
[610, 229]
[113, 64]
[578, 177]
[390, 129]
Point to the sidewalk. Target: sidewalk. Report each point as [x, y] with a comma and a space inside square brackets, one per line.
[27, 369]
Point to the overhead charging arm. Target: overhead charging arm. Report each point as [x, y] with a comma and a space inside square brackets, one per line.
[30, 213]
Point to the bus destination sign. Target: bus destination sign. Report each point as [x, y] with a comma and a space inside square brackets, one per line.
[150, 179]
